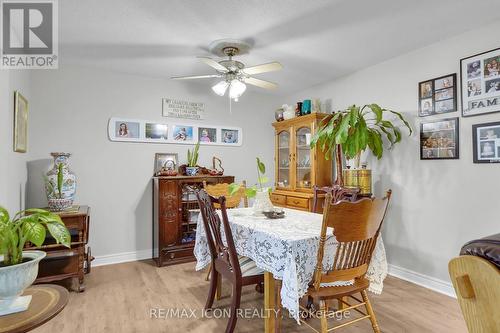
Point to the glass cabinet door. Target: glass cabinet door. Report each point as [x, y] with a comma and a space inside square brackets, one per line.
[303, 158]
[283, 160]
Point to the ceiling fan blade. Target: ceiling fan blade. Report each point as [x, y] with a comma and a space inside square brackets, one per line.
[212, 63]
[189, 77]
[269, 67]
[260, 83]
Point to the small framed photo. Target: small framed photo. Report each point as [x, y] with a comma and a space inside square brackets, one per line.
[127, 129]
[486, 142]
[437, 96]
[230, 136]
[207, 135]
[439, 140]
[156, 131]
[20, 123]
[165, 161]
[480, 83]
[183, 133]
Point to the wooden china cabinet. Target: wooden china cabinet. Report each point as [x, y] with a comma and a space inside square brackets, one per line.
[175, 215]
[298, 167]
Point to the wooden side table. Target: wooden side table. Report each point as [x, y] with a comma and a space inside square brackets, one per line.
[47, 301]
[61, 262]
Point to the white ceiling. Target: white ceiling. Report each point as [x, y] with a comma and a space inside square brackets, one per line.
[315, 40]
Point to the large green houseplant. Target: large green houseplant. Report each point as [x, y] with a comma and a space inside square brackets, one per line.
[19, 268]
[352, 131]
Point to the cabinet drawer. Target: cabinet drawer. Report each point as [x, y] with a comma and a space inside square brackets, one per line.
[177, 254]
[278, 199]
[297, 202]
[59, 262]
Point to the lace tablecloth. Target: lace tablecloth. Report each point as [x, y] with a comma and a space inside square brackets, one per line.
[287, 248]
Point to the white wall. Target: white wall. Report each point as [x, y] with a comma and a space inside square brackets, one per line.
[70, 112]
[12, 164]
[437, 205]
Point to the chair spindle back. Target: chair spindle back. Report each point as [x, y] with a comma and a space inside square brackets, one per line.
[356, 226]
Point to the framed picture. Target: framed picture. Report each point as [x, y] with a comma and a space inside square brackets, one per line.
[486, 142]
[183, 133]
[156, 131]
[437, 96]
[166, 161]
[207, 134]
[480, 83]
[127, 129]
[439, 140]
[20, 123]
[230, 136]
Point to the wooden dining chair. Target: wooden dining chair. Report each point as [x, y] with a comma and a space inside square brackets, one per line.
[240, 271]
[337, 192]
[222, 189]
[234, 201]
[356, 226]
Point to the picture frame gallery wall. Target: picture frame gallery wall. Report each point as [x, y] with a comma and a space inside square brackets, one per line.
[138, 130]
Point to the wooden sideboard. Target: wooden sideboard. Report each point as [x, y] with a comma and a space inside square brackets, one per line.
[62, 262]
[175, 213]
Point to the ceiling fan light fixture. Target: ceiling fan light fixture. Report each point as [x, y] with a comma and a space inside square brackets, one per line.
[236, 89]
[220, 88]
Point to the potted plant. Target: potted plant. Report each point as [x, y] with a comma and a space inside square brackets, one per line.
[56, 198]
[356, 129]
[192, 159]
[18, 268]
[261, 193]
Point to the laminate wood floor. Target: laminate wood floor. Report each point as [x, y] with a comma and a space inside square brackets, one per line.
[119, 298]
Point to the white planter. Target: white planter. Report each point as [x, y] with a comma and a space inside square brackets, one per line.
[14, 279]
[262, 201]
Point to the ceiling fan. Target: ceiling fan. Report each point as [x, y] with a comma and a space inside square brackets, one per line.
[233, 74]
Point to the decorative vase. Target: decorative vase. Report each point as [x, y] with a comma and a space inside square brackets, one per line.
[192, 171]
[14, 279]
[278, 114]
[63, 200]
[262, 201]
[288, 113]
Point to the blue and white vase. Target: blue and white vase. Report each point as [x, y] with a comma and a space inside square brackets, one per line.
[63, 200]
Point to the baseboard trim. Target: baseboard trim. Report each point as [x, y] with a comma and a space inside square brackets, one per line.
[423, 280]
[117, 258]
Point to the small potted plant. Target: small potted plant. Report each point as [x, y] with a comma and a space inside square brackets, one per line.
[55, 196]
[261, 194]
[192, 166]
[18, 268]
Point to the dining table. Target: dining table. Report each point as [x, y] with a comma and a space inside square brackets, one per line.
[286, 249]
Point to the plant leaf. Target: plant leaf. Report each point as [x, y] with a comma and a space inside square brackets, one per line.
[233, 188]
[4, 215]
[261, 166]
[60, 233]
[34, 232]
[251, 192]
[377, 110]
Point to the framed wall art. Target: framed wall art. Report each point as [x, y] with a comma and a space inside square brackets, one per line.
[165, 161]
[480, 83]
[136, 130]
[437, 96]
[439, 140]
[486, 142]
[20, 123]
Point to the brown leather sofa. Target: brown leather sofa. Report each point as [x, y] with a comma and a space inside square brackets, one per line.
[475, 275]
